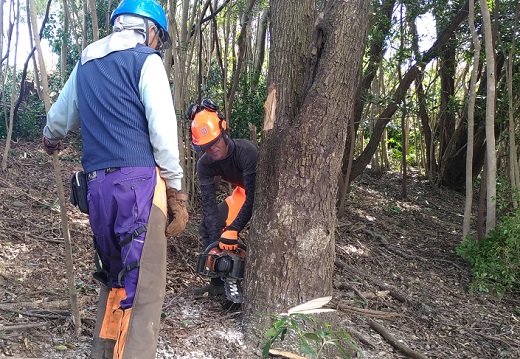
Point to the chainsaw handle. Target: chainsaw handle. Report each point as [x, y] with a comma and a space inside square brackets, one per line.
[215, 245]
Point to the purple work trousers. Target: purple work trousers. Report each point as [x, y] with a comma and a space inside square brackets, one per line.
[119, 203]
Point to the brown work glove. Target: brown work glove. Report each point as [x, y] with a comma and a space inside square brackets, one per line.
[50, 147]
[177, 212]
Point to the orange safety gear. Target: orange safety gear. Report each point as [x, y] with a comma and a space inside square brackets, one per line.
[206, 129]
[113, 314]
[235, 203]
[229, 240]
[123, 333]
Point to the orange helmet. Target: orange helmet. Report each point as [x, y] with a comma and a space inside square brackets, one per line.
[206, 129]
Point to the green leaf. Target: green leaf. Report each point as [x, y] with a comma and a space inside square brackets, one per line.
[283, 333]
[272, 332]
[306, 349]
[60, 347]
[280, 323]
[267, 347]
[312, 336]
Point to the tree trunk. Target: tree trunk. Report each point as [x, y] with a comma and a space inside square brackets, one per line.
[481, 204]
[421, 104]
[64, 44]
[513, 161]
[471, 124]
[376, 52]
[93, 15]
[241, 53]
[491, 159]
[13, 92]
[291, 244]
[404, 112]
[63, 210]
[260, 45]
[446, 113]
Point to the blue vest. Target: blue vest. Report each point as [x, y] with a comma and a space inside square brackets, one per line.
[114, 128]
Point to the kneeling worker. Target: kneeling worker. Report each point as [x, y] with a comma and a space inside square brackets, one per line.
[235, 162]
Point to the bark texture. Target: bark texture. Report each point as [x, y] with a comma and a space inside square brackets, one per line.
[314, 61]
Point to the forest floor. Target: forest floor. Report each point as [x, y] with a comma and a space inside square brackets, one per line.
[398, 280]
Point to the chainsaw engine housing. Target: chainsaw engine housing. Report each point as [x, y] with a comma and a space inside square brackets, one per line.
[215, 262]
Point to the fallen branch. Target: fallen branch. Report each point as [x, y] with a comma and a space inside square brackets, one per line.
[283, 354]
[55, 304]
[363, 295]
[27, 234]
[367, 312]
[399, 252]
[393, 291]
[394, 342]
[22, 326]
[360, 337]
[391, 248]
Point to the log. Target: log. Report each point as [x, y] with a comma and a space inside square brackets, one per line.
[394, 342]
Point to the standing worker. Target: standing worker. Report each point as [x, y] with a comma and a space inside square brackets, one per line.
[119, 95]
[235, 162]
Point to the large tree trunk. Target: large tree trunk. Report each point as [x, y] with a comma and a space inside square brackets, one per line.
[312, 84]
[446, 114]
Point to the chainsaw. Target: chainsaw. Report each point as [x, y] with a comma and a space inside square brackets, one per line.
[228, 265]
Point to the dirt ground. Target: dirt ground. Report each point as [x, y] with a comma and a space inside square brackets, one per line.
[400, 289]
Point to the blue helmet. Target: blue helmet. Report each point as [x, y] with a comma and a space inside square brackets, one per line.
[149, 9]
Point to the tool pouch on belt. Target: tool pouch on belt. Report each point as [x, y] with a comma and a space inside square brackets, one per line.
[78, 191]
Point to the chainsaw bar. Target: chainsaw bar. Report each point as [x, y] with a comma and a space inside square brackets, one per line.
[233, 290]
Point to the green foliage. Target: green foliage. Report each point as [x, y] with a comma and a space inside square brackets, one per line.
[54, 32]
[248, 106]
[495, 261]
[30, 116]
[314, 339]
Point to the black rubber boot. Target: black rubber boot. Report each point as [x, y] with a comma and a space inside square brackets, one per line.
[216, 287]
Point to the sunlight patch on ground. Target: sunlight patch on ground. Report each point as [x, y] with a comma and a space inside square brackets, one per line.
[10, 251]
[190, 312]
[8, 254]
[353, 250]
[370, 218]
[410, 206]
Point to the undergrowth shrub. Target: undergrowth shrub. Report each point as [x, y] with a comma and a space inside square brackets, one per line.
[315, 338]
[495, 261]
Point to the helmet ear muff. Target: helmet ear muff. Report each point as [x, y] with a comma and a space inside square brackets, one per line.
[223, 125]
[193, 109]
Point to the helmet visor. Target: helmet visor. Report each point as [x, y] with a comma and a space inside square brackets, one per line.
[204, 147]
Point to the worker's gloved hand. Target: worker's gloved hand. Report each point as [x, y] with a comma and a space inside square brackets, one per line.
[228, 240]
[177, 211]
[51, 147]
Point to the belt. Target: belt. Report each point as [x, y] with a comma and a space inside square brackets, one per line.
[93, 174]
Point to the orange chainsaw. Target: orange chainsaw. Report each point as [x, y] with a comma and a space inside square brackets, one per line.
[228, 265]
